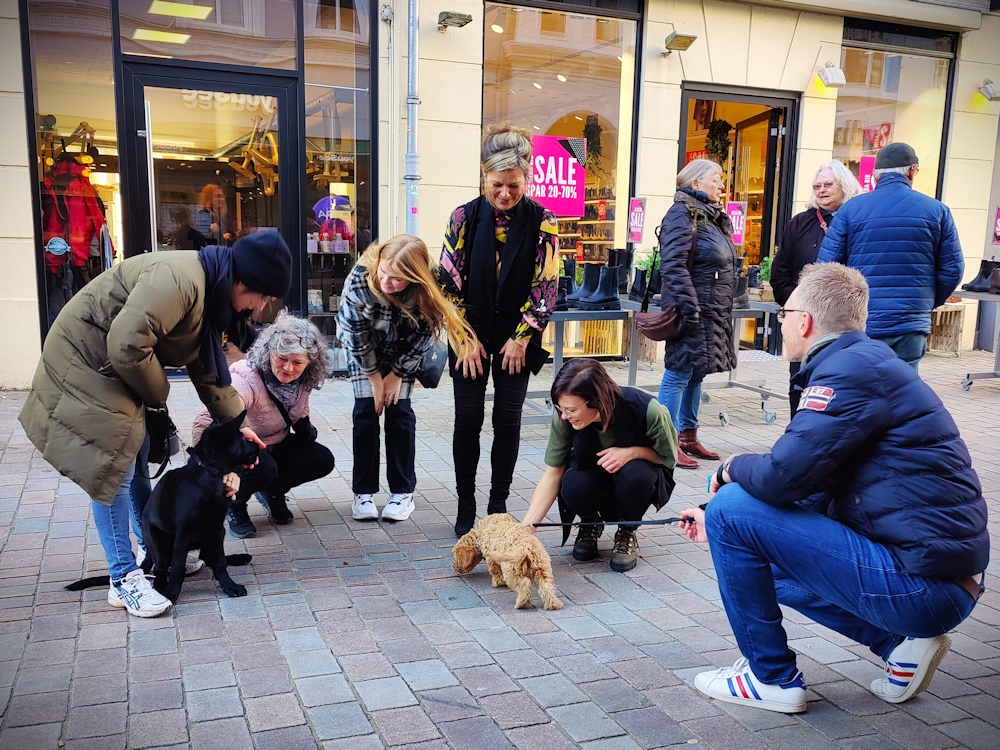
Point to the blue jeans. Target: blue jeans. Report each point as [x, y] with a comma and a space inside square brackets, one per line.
[112, 523]
[140, 489]
[680, 392]
[910, 347]
[765, 556]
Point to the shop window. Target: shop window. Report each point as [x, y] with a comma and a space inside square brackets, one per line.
[76, 143]
[258, 33]
[553, 23]
[338, 174]
[895, 91]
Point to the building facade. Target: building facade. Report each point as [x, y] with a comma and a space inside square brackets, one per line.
[141, 125]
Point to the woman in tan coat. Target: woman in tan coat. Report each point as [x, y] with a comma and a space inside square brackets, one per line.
[102, 366]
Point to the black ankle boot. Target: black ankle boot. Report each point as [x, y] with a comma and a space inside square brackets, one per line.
[496, 506]
[982, 282]
[606, 295]
[638, 290]
[466, 517]
[624, 270]
[741, 298]
[591, 276]
[569, 272]
[564, 292]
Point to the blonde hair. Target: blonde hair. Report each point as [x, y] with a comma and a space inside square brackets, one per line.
[699, 169]
[506, 146]
[845, 178]
[836, 296]
[408, 258]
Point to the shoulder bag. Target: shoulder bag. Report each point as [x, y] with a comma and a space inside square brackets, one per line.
[665, 325]
[433, 364]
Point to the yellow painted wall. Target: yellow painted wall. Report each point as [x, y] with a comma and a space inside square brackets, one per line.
[19, 335]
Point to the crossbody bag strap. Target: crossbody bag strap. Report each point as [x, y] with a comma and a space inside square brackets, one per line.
[822, 223]
[690, 264]
[281, 406]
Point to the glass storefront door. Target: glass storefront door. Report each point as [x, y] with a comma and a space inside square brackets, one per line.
[208, 164]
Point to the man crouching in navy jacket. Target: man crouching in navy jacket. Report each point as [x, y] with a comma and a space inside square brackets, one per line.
[866, 515]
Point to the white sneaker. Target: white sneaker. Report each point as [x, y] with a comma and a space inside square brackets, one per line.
[363, 508]
[137, 596]
[399, 507]
[737, 684]
[191, 565]
[910, 668]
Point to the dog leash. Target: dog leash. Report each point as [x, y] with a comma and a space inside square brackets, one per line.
[655, 522]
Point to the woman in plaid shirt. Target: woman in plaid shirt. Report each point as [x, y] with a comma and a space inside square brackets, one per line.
[391, 310]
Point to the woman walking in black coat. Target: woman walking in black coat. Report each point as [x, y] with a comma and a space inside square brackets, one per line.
[698, 273]
[833, 186]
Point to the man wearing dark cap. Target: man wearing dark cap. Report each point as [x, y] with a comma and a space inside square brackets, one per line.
[906, 245]
[102, 367]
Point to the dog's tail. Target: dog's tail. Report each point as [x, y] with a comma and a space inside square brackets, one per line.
[89, 583]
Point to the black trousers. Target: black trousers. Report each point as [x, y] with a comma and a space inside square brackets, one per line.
[400, 446]
[793, 394]
[593, 493]
[294, 461]
[470, 411]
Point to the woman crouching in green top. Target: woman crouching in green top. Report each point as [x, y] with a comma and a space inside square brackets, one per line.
[611, 455]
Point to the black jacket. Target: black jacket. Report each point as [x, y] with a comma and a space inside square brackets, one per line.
[798, 248]
[705, 296]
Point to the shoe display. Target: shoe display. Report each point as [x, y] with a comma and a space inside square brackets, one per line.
[623, 260]
[136, 595]
[585, 547]
[687, 441]
[638, 290]
[399, 507]
[240, 525]
[910, 668]
[982, 282]
[683, 462]
[591, 277]
[737, 684]
[363, 508]
[277, 507]
[605, 297]
[562, 302]
[741, 298]
[569, 271]
[625, 553]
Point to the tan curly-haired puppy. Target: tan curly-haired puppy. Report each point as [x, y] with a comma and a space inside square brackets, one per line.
[513, 555]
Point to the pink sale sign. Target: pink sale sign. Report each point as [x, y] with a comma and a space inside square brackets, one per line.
[737, 213]
[558, 177]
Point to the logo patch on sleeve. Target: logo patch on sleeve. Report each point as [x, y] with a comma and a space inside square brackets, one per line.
[816, 397]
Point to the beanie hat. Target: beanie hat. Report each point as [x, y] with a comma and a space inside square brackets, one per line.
[263, 262]
[896, 155]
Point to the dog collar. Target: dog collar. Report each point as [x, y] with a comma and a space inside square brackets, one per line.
[210, 469]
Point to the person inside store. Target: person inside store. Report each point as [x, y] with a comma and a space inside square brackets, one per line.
[866, 516]
[391, 313]
[211, 219]
[610, 457]
[698, 272]
[499, 264]
[288, 362]
[832, 186]
[184, 236]
[906, 244]
[102, 368]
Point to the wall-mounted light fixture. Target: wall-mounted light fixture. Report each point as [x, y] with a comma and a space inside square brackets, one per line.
[451, 18]
[990, 90]
[832, 76]
[678, 42]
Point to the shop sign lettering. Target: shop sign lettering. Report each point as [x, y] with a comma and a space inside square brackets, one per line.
[737, 213]
[226, 102]
[558, 177]
[866, 174]
[690, 156]
[636, 219]
[879, 136]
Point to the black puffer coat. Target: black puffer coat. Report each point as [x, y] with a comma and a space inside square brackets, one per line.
[705, 296]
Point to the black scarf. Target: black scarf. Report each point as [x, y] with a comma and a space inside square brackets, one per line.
[697, 203]
[219, 314]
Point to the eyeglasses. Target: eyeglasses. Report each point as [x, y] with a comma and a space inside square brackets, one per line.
[781, 312]
[567, 413]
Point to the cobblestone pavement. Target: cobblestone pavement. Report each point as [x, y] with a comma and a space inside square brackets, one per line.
[360, 635]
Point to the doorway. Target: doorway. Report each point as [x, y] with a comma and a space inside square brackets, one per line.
[208, 160]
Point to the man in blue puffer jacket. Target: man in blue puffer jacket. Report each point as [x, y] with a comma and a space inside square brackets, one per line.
[866, 515]
[906, 245]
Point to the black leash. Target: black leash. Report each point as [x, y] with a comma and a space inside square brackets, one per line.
[655, 522]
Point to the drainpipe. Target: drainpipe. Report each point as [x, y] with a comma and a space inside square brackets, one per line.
[412, 176]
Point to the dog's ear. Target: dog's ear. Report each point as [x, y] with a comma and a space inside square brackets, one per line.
[466, 555]
[238, 421]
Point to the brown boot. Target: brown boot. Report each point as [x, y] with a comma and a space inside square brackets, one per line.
[683, 462]
[689, 443]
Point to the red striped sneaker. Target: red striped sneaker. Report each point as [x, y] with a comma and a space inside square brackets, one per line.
[737, 684]
[910, 668]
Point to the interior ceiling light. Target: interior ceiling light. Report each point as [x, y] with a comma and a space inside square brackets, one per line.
[536, 127]
[152, 35]
[497, 28]
[179, 10]
[537, 85]
[561, 77]
[578, 118]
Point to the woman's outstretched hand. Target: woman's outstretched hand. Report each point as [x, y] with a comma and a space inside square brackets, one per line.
[472, 366]
[513, 356]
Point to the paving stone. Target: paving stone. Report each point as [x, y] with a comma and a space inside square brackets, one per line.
[796, 737]
[52, 679]
[368, 742]
[544, 737]
[478, 618]
[157, 728]
[832, 722]
[464, 655]
[482, 681]
[405, 726]
[520, 664]
[90, 691]
[255, 683]
[299, 639]
[205, 676]
[217, 703]
[289, 738]
[449, 704]
[615, 695]
[724, 732]
[323, 690]
[150, 668]
[152, 642]
[645, 673]
[498, 640]
[909, 732]
[985, 707]
[242, 608]
[115, 742]
[273, 712]
[427, 675]
[512, 710]
[579, 628]
[312, 663]
[931, 709]
[390, 692]
[480, 732]
[553, 690]
[459, 598]
[41, 708]
[675, 656]
[974, 734]
[223, 734]
[821, 650]
[341, 720]
[585, 721]
[652, 727]
[39, 736]
[199, 626]
[209, 651]
[155, 696]
[358, 667]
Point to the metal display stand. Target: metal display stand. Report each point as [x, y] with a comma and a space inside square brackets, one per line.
[985, 297]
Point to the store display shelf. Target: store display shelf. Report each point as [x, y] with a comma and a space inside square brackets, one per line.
[562, 234]
[598, 200]
[597, 242]
[597, 221]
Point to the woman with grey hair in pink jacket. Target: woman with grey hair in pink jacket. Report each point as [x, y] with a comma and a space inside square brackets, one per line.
[288, 361]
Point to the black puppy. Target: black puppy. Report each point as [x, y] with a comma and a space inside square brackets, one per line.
[188, 506]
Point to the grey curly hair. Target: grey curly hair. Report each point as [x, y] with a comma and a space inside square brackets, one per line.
[287, 335]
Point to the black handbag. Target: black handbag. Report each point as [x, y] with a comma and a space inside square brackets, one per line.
[667, 324]
[433, 364]
[164, 441]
